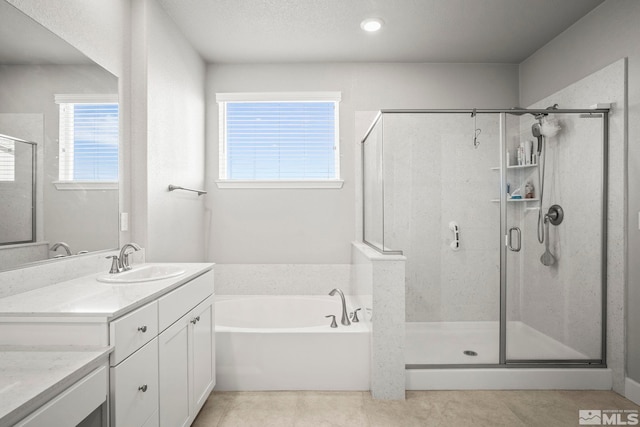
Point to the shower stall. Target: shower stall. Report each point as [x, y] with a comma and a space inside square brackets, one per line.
[502, 218]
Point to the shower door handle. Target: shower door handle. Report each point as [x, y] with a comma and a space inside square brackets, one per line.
[510, 244]
[455, 243]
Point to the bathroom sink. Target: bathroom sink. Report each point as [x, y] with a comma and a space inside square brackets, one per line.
[144, 273]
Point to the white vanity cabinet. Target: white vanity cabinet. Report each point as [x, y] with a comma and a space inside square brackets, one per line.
[187, 364]
[163, 364]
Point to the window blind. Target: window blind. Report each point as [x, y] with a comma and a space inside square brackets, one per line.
[279, 140]
[88, 141]
[7, 160]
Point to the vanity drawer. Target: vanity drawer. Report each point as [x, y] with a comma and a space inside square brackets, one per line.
[130, 332]
[176, 303]
[134, 388]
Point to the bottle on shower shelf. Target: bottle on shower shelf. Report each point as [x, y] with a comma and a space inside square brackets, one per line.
[520, 154]
[528, 191]
[528, 149]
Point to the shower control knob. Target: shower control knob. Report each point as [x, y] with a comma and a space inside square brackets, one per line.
[555, 214]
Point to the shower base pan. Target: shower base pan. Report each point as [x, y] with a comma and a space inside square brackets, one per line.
[477, 343]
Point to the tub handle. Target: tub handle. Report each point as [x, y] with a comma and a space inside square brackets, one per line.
[354, 316]
[333, 320]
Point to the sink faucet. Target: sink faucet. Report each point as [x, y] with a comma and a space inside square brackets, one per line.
[345, 319]
[63, 245]
[123, 258]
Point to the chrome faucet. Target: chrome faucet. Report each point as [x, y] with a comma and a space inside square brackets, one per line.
[123, 258]
[345, 318]
[63, 245]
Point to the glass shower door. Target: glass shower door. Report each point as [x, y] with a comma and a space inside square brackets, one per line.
[554, 210]
[439, 187]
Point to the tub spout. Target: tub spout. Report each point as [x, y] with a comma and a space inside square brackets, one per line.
[345, 318]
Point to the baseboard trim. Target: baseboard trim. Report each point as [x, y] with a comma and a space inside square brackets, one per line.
[632, 390]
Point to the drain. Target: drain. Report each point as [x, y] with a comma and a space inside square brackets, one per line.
[470, 353]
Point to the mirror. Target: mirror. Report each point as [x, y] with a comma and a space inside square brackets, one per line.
[40, 76]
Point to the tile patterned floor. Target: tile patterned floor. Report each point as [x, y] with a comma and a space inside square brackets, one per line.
[544, 408]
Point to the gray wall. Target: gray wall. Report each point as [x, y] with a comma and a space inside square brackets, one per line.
[317, 226]
[608, 33]
[168, 130]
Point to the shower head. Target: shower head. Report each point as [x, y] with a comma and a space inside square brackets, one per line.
[536, 130]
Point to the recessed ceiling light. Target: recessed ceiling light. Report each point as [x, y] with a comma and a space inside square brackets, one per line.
[371, 24]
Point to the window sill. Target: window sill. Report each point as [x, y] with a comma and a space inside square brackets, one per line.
[85, 185]
[306, 184]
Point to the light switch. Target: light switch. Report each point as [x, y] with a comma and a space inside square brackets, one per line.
[124, 221]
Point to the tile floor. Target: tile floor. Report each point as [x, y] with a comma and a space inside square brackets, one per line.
[544, 408]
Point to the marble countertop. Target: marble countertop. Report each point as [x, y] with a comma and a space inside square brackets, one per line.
[31, 376]
[85, 296]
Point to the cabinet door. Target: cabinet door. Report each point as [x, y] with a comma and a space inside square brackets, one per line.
[187, 365]
[204, 376]
[134, 387]
[175, 390]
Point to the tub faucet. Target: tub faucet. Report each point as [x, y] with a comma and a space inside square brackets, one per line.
[63, 245]
[123, 258]
[345, 318]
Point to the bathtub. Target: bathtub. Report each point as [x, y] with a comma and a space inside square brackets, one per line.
[286, 343]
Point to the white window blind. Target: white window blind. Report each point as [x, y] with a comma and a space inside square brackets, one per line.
[7, 160]
[88, 149]
[291, 136]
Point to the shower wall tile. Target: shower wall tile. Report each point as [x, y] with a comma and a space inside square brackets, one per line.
[388, 333]
[385, 276]
[563, 301]
[361, 279]
[281, 279]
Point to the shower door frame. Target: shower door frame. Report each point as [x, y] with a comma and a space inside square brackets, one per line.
[503, 362]
[34, 167]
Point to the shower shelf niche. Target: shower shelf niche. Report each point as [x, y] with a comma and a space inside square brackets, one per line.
[520, 168]
[515, 200]
[497, 168]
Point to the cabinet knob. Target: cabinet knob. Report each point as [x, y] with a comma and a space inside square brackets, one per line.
[197, 318]
[194, 320]
[142, 388]
[142, 329]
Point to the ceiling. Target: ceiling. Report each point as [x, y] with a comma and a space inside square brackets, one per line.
[259, 31]
[25, 42]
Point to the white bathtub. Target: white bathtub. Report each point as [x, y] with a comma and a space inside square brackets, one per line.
[286, 343]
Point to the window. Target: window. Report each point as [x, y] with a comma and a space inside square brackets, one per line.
[88, 150]
[279, 140]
